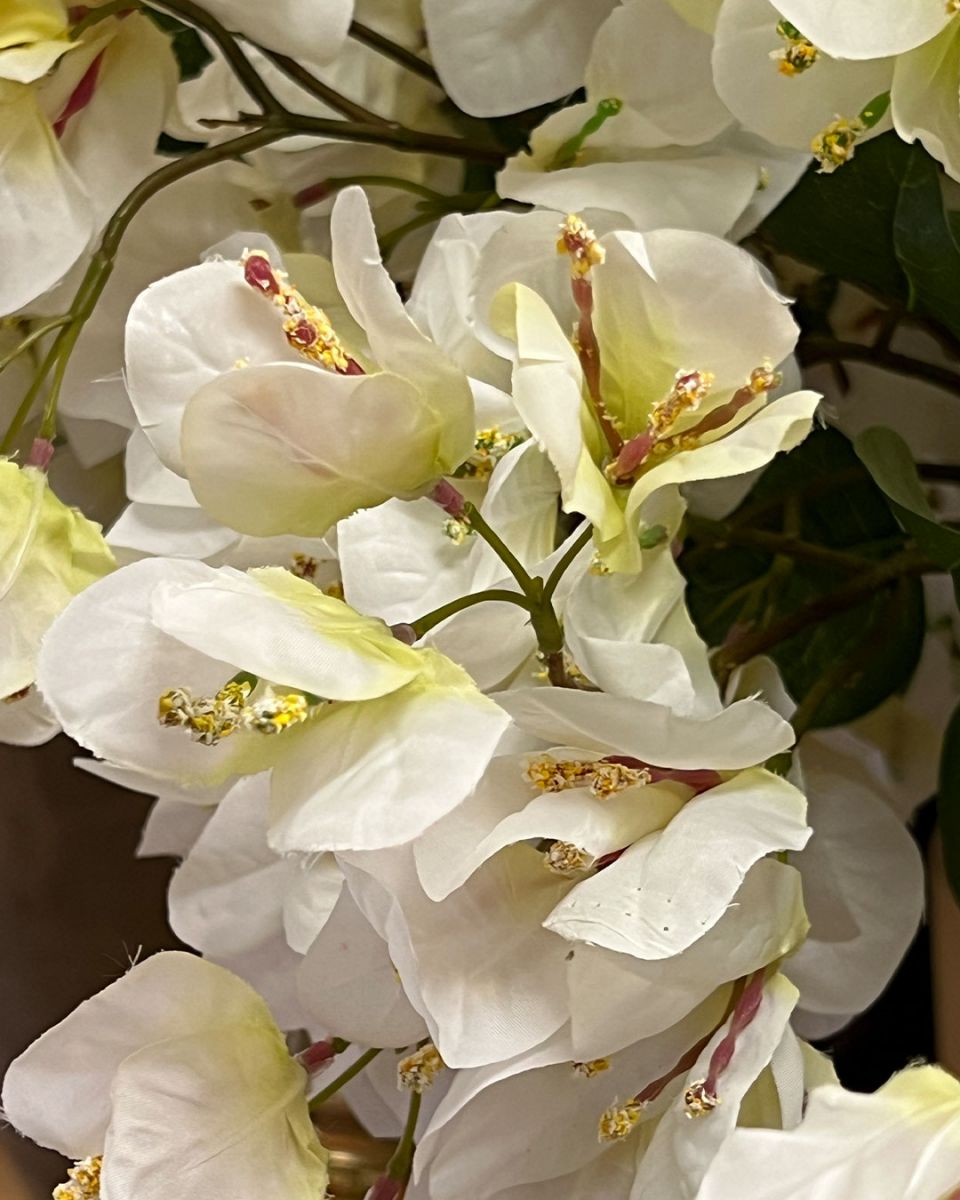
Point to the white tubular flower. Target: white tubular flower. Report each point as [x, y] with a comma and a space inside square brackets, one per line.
[858, 29]
[48, 553]
[651, 141]
[354, 714]
[294, 445]
[900, 1143]
[177, 1078]
[508, 55]
[676, 342]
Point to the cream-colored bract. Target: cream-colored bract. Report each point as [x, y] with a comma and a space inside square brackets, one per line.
[178, 1076]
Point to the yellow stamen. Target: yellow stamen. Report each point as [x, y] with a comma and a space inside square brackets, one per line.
[619, 1121]
[549, 774]
[490, 446]
[304, 566]
[689, 389]
[580, 242]
[834, 146]
[798, 55]
[564, 858]
[594, 1067]
[275, 712]
[418, 1070]
[84, 1181]
[698, 1101]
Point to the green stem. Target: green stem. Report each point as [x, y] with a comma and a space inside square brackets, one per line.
[562, 566]
[344, 1078]
[319, 90]
[527, 584]
[425, 623]
[401, 1160]
[34, 336]
[393, 238]
[390, 49]
[226, 43]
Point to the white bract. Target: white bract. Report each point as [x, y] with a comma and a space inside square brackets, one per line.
[48, 553]
[901, 1143]
[651, 143]
[177, 1081]
[293, 445]
[354, 717]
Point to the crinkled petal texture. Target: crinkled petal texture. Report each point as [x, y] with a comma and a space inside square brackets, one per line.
[48, 553]
[179, 1076]
[46, 218]
[900, 1143]
[508, 55]
[294, 27]
[791, 110]
[681, 880]
[866, 28]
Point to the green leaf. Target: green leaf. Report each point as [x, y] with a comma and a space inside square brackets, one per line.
[888, 459]
[879, 222]
[840, 507]
[924, 243]
[948, 801]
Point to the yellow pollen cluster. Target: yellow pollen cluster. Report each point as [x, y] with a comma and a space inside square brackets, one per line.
[303, 566]
[834, 146]
[334, 590]
[491, 445]
[594, 1067]
[84, 1181]
[208, 718]
[698, 1101]
[798, 55]
[307, 327]
[598, 566]
[689, 389]
[418, 1070]
[457, 529]
[619, 1121]
[275, 712]
[764, 379]
[549, 774]
[564, 858]
[580, 242]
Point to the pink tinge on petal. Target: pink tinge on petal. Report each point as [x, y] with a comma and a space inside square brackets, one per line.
[313, 194]
[744, 1012]
[632, 455]
[81, 95]
[386, 1188]
[317, 1055]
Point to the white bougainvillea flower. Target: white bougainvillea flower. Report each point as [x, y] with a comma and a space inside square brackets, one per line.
[217, 674]
[900, 1143]
[75, 142]
[33, 35]
[402, 560]
[292, 446]
[505, 56]
[493, 988]
[639, 1092]
[177, 1082]
[48, 553]
[673, 810]
[677, 342]
[651, 143]
[866, 29]
[791, 105]
[247, 908]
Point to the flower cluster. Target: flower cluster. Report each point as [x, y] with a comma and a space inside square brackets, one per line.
[393, 616]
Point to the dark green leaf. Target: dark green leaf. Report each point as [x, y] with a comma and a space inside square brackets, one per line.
[840, 507]
[924, 243]
[888, 459]
[948, 801]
